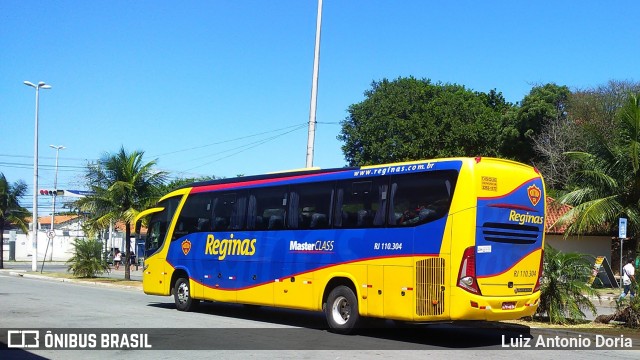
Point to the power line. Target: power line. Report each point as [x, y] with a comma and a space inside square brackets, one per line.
[234, 151]
[227, 141]
[43, 157]
[247, 147]
[42, 166]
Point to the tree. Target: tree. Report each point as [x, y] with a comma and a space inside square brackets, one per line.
[410, 119]
[587, 111]
[123, 186]
[597, 108]
[556, 138]
[87, 261]
[607, 184]
[10, 210]
[564, 285]
[542, 105]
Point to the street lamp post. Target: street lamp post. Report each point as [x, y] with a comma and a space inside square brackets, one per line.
[34, 232]
[55, 195]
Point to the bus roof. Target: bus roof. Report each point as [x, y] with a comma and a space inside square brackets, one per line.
[284, 174]
[317, 171]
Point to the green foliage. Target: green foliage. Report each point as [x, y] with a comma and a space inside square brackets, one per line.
[11, 213]
[585, 113]
[541, 106]
[607, 184]
[410, 119]
[628, 310]
[87, 261]
[564, 286]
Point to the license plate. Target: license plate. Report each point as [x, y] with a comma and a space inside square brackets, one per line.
[508, 305]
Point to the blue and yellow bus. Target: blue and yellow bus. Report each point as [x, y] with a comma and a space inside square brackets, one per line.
[433, 240]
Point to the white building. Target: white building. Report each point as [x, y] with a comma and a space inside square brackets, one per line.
[67, 228]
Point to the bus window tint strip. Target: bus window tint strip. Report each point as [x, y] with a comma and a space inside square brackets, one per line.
[399, 200]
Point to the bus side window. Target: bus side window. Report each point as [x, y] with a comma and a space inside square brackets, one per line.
[420, 198]
[310, 206]
[239, 213]
[361, 204]
[268, 208]
[229, 212]
[195, 216]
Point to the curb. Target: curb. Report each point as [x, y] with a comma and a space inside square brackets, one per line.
[73, 281]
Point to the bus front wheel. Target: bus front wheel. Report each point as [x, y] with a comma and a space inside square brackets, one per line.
[182, 296]
[341, 310]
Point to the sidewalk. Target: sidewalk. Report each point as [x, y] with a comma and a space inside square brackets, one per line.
[59, 269]
[99, 281]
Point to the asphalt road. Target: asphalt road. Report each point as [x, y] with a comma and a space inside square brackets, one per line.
[606, 305]
[234, 331]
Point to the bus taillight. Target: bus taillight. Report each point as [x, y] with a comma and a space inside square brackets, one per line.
[467, 272]
[537, 287]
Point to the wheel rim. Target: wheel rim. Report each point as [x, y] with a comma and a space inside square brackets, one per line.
[341, 310]
[183, 293]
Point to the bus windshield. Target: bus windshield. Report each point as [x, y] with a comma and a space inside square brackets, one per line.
[158, 225]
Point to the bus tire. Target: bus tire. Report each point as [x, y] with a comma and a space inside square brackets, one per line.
[182, 296]
[341, 310]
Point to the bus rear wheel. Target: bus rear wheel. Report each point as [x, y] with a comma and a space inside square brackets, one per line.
[182, 296]
[341, 310]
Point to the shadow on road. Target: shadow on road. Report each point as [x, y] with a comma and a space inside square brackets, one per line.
[17, 354]
[386, 334]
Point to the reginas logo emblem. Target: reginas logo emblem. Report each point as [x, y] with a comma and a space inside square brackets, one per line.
[186, 246]
[534, 194]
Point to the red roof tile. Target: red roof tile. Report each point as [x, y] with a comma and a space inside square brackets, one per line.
[59, 219]
[554, 211]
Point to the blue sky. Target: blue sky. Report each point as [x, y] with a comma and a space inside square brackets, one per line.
[223, 87]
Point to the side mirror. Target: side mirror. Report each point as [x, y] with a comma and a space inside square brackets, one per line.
[138, 226]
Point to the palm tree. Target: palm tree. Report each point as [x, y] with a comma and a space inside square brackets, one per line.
[10, 210]
[563, 289]
[607, 184]
[122, 186]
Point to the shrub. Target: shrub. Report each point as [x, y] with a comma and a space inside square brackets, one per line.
[87, 261]
[564, 286]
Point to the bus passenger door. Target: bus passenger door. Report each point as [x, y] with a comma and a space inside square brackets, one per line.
[398, 292]
[375, 291]
[153, 276]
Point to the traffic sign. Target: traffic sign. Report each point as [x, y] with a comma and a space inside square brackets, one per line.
[51, 234]
[622, 228]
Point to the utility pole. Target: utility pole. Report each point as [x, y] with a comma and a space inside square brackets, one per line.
[314, 90]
